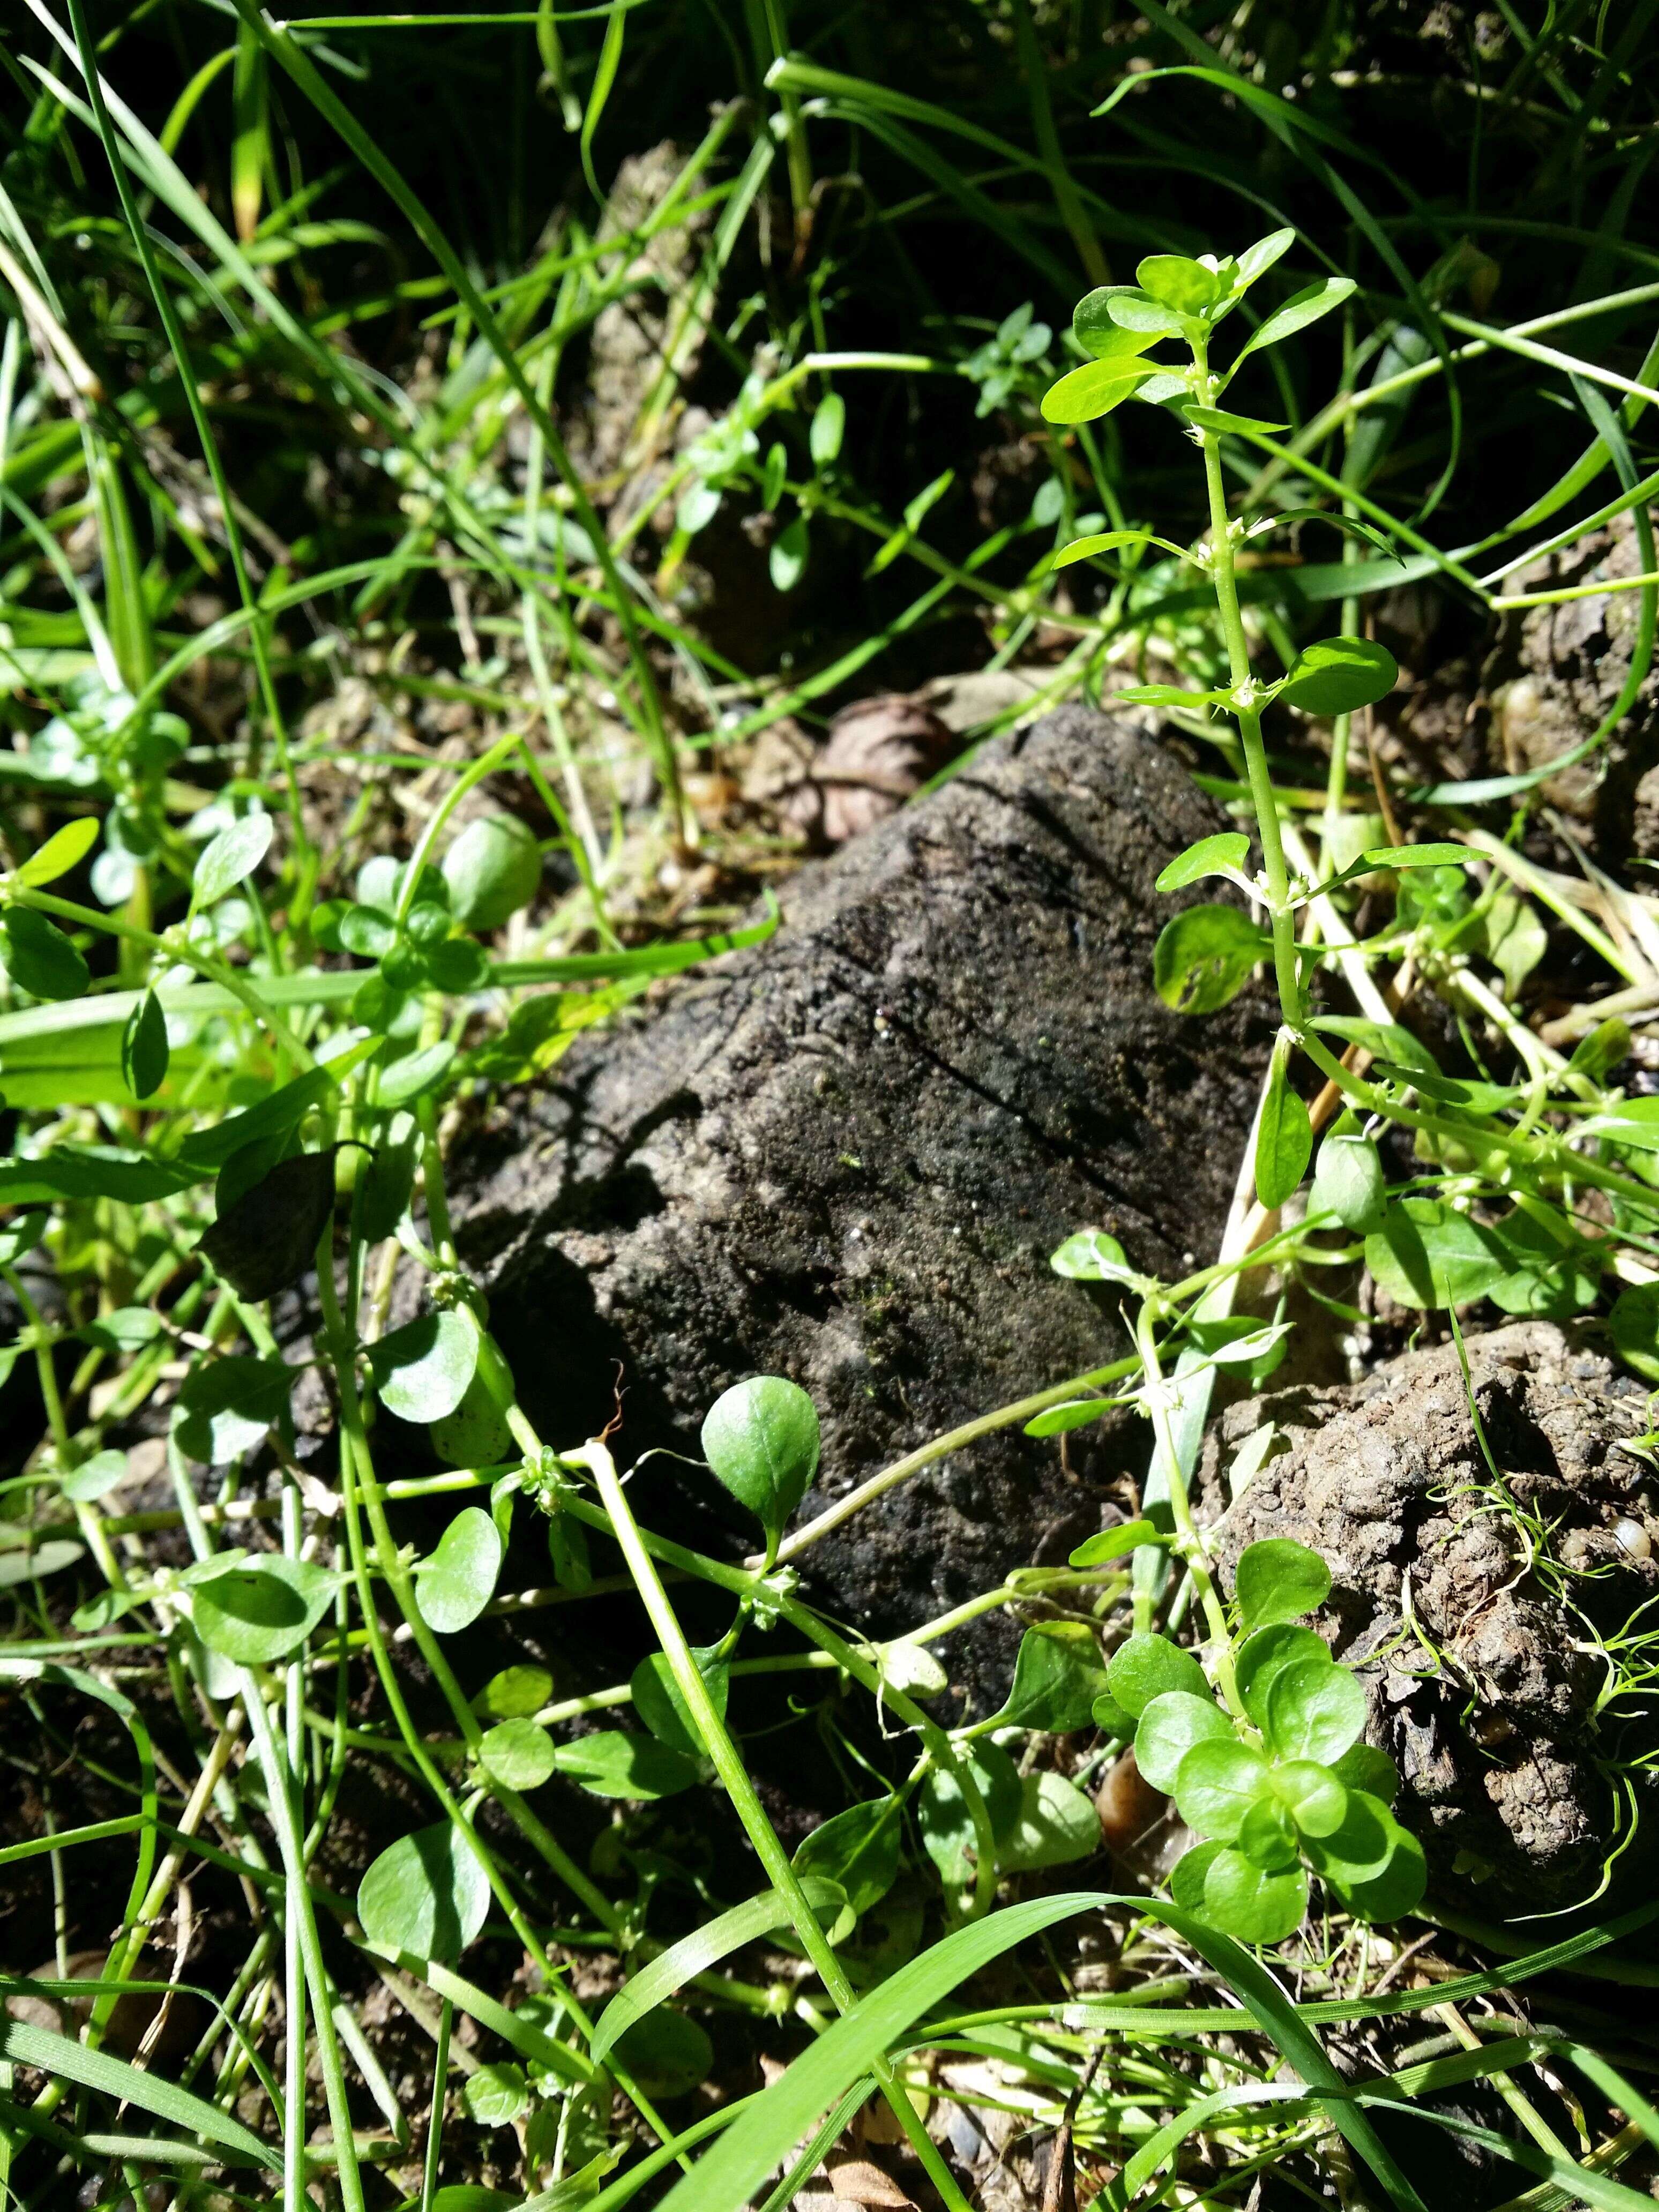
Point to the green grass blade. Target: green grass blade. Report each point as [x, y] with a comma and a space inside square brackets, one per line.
[694, 1953]
[64, 2059]
[298, 65]
[604, 79]
[726, 2175]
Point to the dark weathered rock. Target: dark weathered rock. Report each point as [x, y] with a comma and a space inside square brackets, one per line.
[1471, 1599]
[1555, 672]
[846, 1157]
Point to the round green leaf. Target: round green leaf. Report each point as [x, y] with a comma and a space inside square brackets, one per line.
[1268, 1837]
[1314, 1797]
[1314, 1709]
[50, 1557]
[410, 1077]
[1363, 1767]
[1057, 1826]
[366, 932]
[620, 1763]
[518, 1753]
[1261, 1655]
[1349, 1182]
[1189, 1873]
[761, 1439]
[476, 1434]
[1132, 309]
[1174, 282]
[1205, 956]
[267, 1234]
[829, 425]
[40, 959]
[426, 1893]
[1217, 1783]
[515, 1692]
[495, 2095]
[126, 1328]
[1146, 1666]
[1279, 1580]
[1633, 1325]
[1058, 1674]
[1428, 1254]
[1169, 1728]
[1339, 675]
[666, 2053]
[787, 562]
[457, 1582]
[1110, 1716]
[1099, 335]
[1374, 1867]
[421, 1370]
[262, 1610]
[492, 869]
[1257, 1907]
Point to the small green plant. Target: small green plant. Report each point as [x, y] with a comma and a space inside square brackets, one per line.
[1271, 1775]
[1274, 1777]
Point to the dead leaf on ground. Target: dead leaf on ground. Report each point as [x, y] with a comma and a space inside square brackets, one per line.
[859, 2181]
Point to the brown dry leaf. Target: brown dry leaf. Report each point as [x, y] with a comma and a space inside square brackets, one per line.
[879, 752]
[858, 2181]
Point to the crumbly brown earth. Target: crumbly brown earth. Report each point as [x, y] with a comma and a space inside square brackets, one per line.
[1475, 1596]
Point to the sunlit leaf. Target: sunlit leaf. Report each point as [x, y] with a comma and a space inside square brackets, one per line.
[235, 853]
[457, 1582]
[427, 1893]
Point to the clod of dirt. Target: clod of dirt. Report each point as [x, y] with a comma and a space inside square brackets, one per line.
[1556, 672]
[846, 1157]
[1475, 1598]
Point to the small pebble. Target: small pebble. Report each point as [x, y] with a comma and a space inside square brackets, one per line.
[1633, 1538]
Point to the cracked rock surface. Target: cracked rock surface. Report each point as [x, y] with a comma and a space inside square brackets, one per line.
[1473, 1602]
[846, 1156]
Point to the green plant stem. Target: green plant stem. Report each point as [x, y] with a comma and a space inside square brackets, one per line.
[294, 1965]
[735, 1775]
[435, 2129]
[173, 947]
[356, 1460]
[299, 1911]
[1276, 877]
[940, 1447]
[1189, 1543]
